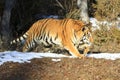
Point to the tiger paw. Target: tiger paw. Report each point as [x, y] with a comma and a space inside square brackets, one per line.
[81, 56]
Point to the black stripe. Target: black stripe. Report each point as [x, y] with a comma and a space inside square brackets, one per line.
[48, 34]
[44, 36]
[63, 22]
[66, 21]
[27, 45]
[63, 32]
[40, 37]
[46, 40]
[64, 27]
[33, 43]
[52, 41]
[56, 37]
[47, 37]
[43, 27]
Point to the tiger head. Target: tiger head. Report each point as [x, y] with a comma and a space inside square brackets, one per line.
[87, 38]
[83, 34]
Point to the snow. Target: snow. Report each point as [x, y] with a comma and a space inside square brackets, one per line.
[14, 56]
[96, 24]
[56, 60]
[109, 56]
[20, 57]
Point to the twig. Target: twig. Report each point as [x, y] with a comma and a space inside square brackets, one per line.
[60, 4]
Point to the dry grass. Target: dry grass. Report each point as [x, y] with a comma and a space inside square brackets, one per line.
[106, 40]
[107, 9]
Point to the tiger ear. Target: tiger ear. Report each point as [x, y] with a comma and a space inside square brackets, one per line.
[87, 26]
[78, 25]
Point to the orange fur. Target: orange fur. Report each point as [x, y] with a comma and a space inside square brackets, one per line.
[66, 33]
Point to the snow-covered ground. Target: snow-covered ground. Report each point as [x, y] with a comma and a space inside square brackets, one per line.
[14, 56]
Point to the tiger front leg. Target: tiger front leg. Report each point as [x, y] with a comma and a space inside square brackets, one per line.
[73, 50]
[86, 50]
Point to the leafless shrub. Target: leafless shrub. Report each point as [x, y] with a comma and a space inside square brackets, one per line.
[107, 40]
[107, 9]
[70, 8]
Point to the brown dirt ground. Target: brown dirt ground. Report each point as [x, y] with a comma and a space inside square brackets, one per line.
[66, 69]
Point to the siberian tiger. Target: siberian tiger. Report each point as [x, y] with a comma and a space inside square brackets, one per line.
[67, 33]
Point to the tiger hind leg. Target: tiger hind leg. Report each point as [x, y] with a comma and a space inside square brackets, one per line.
[28, 45]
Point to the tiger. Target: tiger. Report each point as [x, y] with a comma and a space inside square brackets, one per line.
[70, 34]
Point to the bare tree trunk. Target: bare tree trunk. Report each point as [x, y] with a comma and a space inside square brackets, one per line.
[82, 5]
[5, 22]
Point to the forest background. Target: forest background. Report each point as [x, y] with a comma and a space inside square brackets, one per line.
[21, 14]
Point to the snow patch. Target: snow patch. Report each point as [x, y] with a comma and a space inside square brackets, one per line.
[14, 56]
[110, 56]
[96, 24]
[56, 60]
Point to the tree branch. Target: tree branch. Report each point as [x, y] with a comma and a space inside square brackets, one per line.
[60, 4]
